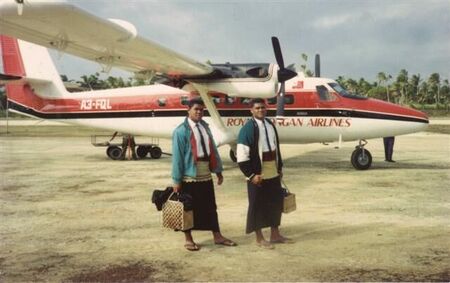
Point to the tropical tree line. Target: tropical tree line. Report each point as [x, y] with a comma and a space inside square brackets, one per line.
[413, 90]
[405, 89]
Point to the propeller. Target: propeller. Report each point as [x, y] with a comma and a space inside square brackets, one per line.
[284, 74]
[317, 66]
[19, 7]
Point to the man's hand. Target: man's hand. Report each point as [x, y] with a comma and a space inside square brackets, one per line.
[219, 179]
[257, 180]
[177, 188]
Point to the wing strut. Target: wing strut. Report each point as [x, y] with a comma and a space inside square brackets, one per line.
[223, 136]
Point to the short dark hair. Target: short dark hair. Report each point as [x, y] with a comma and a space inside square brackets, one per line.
[256, 100]
[195, 100]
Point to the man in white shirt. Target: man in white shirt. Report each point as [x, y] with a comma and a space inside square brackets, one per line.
[259, 158]
[194, 158]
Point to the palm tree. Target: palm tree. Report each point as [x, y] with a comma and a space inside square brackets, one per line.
[364, 86]
[434, 81]
[341, 80]
[402, 83]
[351, 85]
[414, 83]
[304, 67]
[382, 79]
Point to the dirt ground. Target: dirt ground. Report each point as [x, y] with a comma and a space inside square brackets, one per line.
[68, 213]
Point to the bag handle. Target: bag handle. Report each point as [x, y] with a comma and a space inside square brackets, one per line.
[286, 187]
[170, 196]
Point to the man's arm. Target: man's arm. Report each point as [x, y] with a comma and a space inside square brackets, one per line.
[177, 159]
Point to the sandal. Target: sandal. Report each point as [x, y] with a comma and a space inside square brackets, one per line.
[226, 242]
[192, 247]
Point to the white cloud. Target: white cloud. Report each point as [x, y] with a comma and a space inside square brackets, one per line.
[327, 22]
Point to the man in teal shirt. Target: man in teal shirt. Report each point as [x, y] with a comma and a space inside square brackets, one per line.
[194, 158]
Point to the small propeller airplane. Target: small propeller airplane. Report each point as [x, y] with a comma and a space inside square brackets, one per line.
[305, 109]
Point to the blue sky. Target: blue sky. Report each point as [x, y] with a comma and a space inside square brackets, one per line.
[354, 38]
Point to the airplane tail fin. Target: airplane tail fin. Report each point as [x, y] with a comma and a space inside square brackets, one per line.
[29, 72]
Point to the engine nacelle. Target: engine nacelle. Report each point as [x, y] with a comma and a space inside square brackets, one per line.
[246, 87]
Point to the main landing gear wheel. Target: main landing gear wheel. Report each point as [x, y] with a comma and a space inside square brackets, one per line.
[142, 151]
[155, 152]
[114, 152]
[361, 158]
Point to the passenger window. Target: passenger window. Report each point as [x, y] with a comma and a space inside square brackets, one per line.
[216, 99]
[184, 100]
[288, 99]
[229, 100]
[162, 101]
[245, 100]
[272, 100]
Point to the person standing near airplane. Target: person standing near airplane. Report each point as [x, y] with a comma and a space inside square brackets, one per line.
[388, 148]
[128, 144]
[259, 158]
[194, 158]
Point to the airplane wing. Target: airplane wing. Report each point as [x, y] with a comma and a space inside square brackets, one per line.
[112, 43]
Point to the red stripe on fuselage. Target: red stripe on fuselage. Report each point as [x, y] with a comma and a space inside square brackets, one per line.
[173, 102]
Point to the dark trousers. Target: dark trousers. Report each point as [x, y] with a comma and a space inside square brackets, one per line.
[388, 147]
[265, 204]
[204, 205]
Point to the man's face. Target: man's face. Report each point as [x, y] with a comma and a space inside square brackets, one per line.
[259, 110]
[196, 112]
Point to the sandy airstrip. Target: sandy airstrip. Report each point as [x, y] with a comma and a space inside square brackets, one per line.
[68, 213]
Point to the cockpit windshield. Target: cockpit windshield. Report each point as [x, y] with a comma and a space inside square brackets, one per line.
[344, 93]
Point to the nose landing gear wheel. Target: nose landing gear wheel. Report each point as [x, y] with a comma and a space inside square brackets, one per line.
[361, 159]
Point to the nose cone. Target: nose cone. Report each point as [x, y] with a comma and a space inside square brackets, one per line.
[402, 112]
[407, 120]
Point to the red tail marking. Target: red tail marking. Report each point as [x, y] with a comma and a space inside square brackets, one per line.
[12, 60]
[13, 65]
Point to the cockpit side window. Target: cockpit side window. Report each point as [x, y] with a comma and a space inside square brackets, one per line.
[324, 94]
[344, 93]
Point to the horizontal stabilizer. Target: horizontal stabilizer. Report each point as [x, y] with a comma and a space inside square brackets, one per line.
[12, 79]
[4, 79]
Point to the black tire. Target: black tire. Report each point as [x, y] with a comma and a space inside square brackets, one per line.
[361, 159]
[233, 156]
[155, 152]
[114, 152]
[142, 151]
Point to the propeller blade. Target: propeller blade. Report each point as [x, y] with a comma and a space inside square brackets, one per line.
[280, 101]
[285, 74]
[317, 66]
[277, 51]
